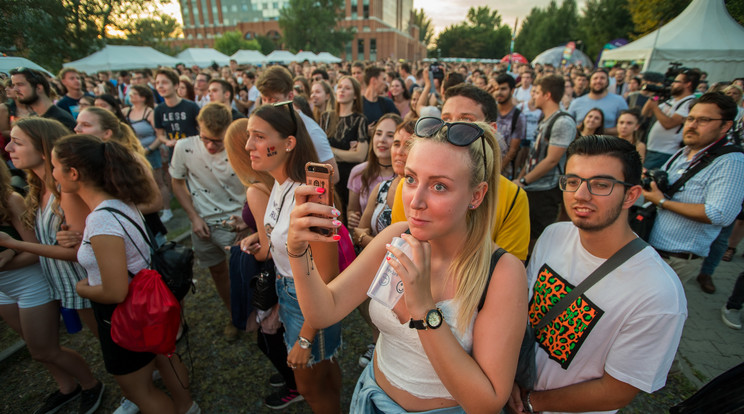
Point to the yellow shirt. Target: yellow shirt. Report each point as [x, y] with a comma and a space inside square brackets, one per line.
[511, 227]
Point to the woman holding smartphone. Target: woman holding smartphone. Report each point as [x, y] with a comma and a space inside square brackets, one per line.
[438, 350]
[279, 144]
[105, 174]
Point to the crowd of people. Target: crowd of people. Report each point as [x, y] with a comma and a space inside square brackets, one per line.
[490, 191]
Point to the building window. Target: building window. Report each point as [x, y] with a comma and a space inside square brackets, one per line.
[349, 45]
[360, 49]
[354, 7]
[366, 29]
[373, 49]
[276, 5]
[235, 8]
[245, 7]
[365, 7]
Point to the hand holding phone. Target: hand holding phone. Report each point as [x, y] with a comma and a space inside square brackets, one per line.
[319, 175]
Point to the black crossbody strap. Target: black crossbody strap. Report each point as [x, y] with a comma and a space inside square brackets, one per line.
[494, 260]
[720, 148]
[146, 236]
[620, 257]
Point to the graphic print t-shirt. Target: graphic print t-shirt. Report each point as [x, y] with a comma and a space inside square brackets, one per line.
[178, 121]
[628, 324]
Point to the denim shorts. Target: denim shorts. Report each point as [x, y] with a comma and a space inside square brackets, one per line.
[26, 287]
[327, 342]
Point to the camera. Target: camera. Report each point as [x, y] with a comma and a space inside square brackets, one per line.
[664, 92]
[658, 176]
[436, 70]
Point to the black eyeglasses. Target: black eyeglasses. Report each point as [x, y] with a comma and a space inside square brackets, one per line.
[290, 104]
[460, 134]
[598, 186]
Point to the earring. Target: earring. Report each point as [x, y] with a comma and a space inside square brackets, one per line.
[471, 207]
[288, 150]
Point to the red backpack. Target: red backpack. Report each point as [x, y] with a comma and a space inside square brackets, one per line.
[149, 317]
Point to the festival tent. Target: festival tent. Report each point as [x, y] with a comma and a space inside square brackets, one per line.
[252, 57]
[7, 63]
[515, 57]
[703, 36]
[326, 57]
[555, 55]
[281, 56]
[309, 56]
[122, 58]
[202, 57]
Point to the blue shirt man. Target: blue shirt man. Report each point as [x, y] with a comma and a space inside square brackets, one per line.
[599, 97]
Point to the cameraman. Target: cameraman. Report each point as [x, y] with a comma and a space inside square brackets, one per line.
[689, 221]
[666, 133]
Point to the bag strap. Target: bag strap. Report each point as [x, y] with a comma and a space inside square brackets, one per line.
[620, 257]
[149, 239]
[494, 260]
[718, 149]
[149, 262]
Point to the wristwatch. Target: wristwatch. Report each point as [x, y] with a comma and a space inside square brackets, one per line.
[433, 320]
[661, 202]
[304, 343]
[527, 403]
[522, 181]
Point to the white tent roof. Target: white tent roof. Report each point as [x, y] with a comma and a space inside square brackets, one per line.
[253, 57]
[202, 57]
[281, 56]
[704, 36]
[122, 58]
[7, 63]
[310, 56]
[555, 55]
[326, 57]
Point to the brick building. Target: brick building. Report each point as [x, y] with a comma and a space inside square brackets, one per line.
[383, 27]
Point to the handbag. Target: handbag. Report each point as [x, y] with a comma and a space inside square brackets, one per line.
[264, 287]
[526, 374]
[174, 262]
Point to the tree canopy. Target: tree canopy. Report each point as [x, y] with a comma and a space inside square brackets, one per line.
[231, 42]
[482, 35]
[426, 28]
[313, 25]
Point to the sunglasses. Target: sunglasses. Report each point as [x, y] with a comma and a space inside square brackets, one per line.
[291, 113]
[30, 74]
[460, 134]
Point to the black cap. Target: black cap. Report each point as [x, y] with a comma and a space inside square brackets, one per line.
[655, 77]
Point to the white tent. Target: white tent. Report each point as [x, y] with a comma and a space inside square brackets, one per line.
[202, 57]
[281, 56]
[326, 57]
[703, 36]
[309, 56]
[7, 63]
[555, 55]
[122, 58]
[253, 57]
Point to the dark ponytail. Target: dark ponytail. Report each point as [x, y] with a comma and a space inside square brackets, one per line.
[108, 166]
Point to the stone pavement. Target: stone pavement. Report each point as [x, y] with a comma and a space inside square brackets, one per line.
[708, 347]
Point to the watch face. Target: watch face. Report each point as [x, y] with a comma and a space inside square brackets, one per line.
[434, 318]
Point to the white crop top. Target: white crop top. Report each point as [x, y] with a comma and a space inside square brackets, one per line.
[401, 357]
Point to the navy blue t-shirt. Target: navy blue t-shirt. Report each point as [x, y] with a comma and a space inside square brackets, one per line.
[375, 110]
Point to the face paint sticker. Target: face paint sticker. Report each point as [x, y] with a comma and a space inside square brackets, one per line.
[271, 151]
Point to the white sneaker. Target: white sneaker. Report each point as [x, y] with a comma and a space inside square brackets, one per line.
[166, 216]
[366, 357]
[731, 317]
[127, 407]
[194, 409]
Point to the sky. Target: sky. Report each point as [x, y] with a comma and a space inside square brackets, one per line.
[446, 12]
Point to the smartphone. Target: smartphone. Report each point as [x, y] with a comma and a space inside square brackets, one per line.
[319, 175]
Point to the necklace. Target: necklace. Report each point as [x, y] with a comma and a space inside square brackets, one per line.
[384, 165]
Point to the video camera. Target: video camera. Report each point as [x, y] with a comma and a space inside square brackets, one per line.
[664, 92]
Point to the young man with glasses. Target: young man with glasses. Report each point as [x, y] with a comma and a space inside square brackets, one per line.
[665, 135]
[32, 89]
[689, 221]
[620, 336]
[210, 193]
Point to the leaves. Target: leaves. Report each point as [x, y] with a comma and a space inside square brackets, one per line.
[481, 36]
[426, 28]
[231, 42]
[313, 25]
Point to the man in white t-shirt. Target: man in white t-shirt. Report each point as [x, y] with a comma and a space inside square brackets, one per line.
[621, 335]
[210, 193]
[524, 92]
[665, 136]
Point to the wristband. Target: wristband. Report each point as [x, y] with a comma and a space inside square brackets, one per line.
[528, 403]
[296, 256]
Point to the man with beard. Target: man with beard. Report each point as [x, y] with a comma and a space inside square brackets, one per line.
[689, 221]
[511, 123]
[620, 336]
[599, 97]
[666, 133]
[32, 89]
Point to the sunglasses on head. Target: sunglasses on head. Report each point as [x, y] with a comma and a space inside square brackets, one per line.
[291, 112]
[31, 75]
[460, 134]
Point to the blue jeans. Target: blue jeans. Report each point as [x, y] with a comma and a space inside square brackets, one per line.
[717, 250]
[655, 159]
[369, 398]
[736, 299]
[327, 342]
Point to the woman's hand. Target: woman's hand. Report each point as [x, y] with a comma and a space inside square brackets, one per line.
[298, 357]
[5, 239]
[307, 214]
[353, 219]
[358, 234]
[235, 223]
[270, 322]
[6, 256]
[415, 273]
[67, 238]
[250, 244]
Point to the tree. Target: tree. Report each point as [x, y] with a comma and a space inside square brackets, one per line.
[266, 45]
[231, 42]
[649, 15]
[481, 36]
[736, 10]
[546, 28]
[603, 21]
[313, 25]
[153, 31]
[426, 28]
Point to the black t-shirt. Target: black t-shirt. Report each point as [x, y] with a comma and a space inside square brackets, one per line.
[55, 112]
[375, 110]
[178, 121]
[236, 114]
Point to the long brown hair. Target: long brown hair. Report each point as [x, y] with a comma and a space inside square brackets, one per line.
[43, 133]
[372, 171]
[6, 216]
[235, 139]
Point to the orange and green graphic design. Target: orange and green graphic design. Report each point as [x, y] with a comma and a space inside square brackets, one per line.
[563, 337]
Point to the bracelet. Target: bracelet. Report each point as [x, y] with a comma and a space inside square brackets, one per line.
[296, 256]
[528, 403]
[360, 239]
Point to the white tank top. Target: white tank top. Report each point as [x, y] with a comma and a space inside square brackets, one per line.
[401, 357]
